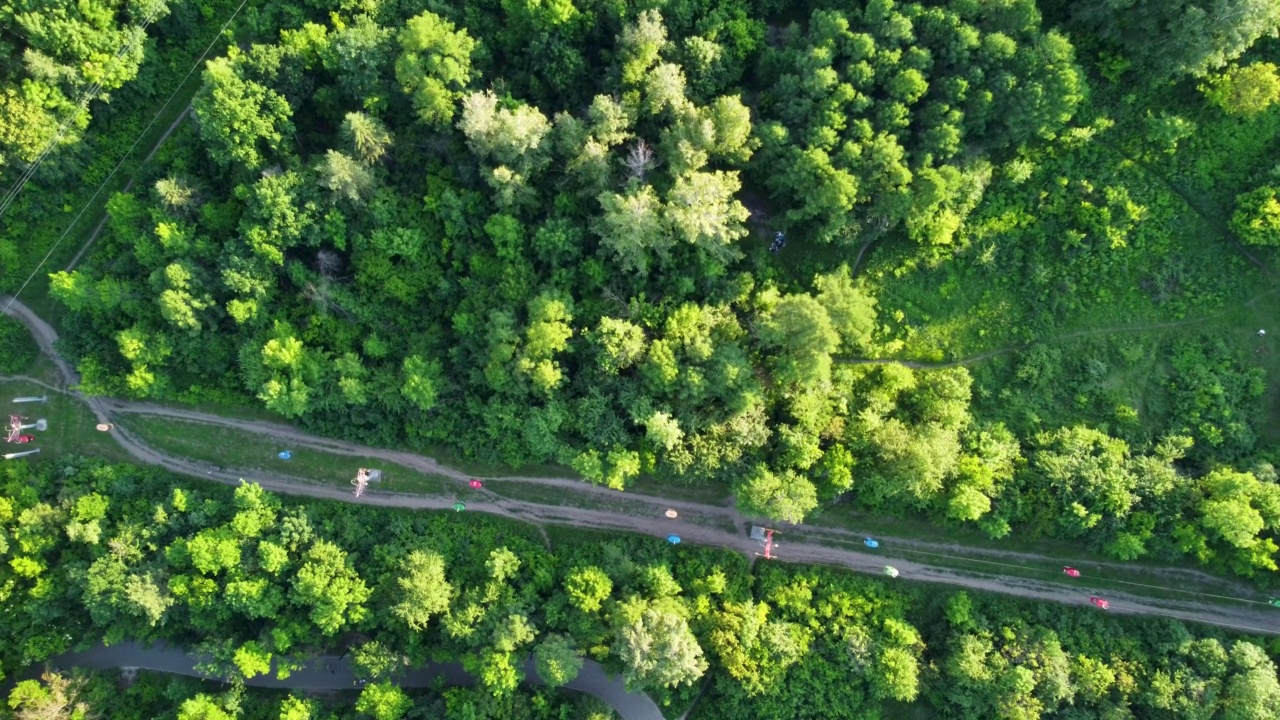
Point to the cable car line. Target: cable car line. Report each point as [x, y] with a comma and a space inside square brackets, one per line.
[119, 164]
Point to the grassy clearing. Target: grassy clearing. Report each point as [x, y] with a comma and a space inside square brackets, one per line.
[71, 425]
[707, 493]
[244, 450]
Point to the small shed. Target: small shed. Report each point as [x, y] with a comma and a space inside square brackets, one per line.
[757, 533]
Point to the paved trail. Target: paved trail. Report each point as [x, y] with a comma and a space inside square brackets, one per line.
[328, 672]
[645, 517]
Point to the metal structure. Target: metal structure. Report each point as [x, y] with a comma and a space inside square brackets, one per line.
[42, 398]
[364, 476]
[764, 536]
[11, 456]
[1274, 601]
[15, 428]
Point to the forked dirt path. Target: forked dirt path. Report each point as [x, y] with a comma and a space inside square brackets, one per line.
[1249, 616]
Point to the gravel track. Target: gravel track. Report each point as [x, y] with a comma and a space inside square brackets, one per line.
[1256, 617]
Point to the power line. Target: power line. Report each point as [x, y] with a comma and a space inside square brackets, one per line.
[86, 96]
[124, 157]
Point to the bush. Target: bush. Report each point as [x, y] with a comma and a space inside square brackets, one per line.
[1245, 90]
[17, 348]
[1257, 216]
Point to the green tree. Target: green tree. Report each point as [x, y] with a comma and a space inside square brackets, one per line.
[799, 328]
[702, 211]
[1171, 37]
[252, 659]
[331, 590]
[1088, 473]
[202, 707]
[238, 117]
[425, 590]
[345, 178]
[659, 650]
[557, 661]
[383, 701]
[421, 380]
[1253, 690]
[663, 430]
[782, 496]
[754, 650]
[621, 344]
[292, 708]
[434, 65]
[61, 53]
[631, 226]
[548, 334]
[588, 588]
[366, 136]
[640, 45]
[1257, 216]
[373, 660]
[1244, 89]
[851, 309]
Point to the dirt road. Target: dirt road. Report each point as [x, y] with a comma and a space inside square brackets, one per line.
[1252, 617]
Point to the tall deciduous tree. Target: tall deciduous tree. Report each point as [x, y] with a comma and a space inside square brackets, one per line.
[557, 661]
[784, 496]
[1173, 37]
[330, 588]
[1245, 89]
[799, 330]
[425, 591]
[631, 227]
[239, 119]
[434, 65]
[659, 650]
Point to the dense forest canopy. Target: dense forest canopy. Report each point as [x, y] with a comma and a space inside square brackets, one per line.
[997, 264]
[94, 551]
[541, 240]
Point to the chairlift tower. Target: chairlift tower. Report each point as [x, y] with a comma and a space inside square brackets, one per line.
[364, 476]
[764, 536]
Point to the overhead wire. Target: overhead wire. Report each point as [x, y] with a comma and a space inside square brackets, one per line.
[124, 157]
[86, 96]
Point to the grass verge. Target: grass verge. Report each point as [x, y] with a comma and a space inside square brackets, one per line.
[71, 425]
[244, 450]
